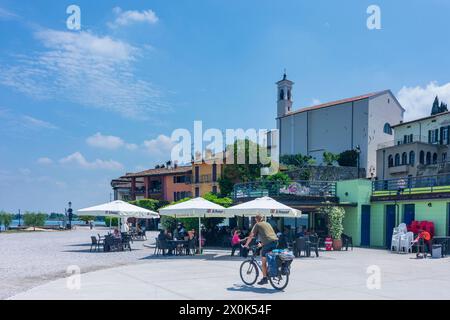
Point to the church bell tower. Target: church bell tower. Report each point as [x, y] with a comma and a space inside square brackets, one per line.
[284, 96]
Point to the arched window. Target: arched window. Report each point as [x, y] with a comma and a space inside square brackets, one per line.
[281, 94]
[434, 158]
[412, 158]
[397, 159]
[428, 158]
[390, 161]
[404, 158]
[289, 95]
[422, 157]
[387, 128]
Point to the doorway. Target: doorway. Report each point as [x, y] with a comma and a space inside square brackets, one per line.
[365, 226]
[390, 224]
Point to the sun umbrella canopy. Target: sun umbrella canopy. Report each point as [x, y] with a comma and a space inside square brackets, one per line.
[265, 206]
[118, 209]
[194, 208]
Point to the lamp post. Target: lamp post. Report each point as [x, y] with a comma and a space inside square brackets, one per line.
[358, 152]
[19, 217]
[70, 214]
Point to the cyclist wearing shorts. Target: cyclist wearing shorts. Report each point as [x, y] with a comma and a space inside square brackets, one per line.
[268, 238]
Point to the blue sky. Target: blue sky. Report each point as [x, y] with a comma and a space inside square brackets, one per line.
[78, 108]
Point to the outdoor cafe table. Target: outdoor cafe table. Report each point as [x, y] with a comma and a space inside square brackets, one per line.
[179, 245]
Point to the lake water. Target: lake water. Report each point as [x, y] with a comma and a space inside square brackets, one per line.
[15, 223]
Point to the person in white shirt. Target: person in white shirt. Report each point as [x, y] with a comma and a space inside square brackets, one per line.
[125, 228]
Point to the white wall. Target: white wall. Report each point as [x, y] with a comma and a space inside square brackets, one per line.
[382, 109]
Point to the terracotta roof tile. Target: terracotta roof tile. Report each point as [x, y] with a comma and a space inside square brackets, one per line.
[161, 171]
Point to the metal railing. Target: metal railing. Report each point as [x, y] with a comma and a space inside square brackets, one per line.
[408, 184]
[298, 188]
[402, 141]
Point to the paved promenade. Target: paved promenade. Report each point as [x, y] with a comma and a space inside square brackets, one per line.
[335, 275]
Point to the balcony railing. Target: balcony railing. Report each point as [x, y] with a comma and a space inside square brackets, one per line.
[410, 185]
[277, 189]
[402, 141]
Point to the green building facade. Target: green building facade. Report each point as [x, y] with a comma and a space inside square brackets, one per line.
[371, 214]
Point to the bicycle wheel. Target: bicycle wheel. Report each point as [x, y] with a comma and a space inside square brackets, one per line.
[249, 272]
[279, 282]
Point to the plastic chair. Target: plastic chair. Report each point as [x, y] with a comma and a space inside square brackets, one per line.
[406, 242]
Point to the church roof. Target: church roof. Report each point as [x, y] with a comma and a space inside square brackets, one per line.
[337, 102]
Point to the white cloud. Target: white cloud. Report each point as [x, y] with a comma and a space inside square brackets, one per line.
[6, 14]
[87, 43]
[99, 140]
[124, 18]
[12, 120]
[161, 146]
[78, 159]
[44, 161]
[316, 101]
[37, 123]
[85, 69]
[418, 100]
[131, 146]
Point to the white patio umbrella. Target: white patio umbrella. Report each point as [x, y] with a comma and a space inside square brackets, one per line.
[118, 209]
[265, 206]
[195, 208]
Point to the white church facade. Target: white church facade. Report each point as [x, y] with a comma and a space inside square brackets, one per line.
[363, 121]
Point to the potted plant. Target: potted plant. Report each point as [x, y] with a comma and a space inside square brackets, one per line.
[335, 217]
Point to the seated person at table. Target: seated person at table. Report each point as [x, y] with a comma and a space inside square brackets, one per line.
[116, 234]
[181, 231]
[282, 241]
[191, 234]
[236, 242]
[164, 236]
[302, 232]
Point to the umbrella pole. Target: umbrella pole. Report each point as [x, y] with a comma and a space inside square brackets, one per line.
[200, 234]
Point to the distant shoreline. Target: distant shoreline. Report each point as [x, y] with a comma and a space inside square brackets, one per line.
[54, 223]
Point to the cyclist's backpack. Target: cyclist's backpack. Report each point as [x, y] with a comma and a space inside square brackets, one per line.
[284, 260]
[272, 264]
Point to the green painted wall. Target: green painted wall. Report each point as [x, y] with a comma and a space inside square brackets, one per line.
[436, 213]
[377, 224]
[359, 192]
[353, 192]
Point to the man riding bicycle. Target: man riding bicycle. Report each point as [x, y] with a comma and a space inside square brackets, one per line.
[268, 238]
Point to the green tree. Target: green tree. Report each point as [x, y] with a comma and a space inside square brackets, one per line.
[348, 158]
[86, 219]
[297, 160]
[6, 219]
[111, 221]
[242, 172]
[335, 216]
[330, 158]
[443, 107]
[150, 204]
[34, 220]
[435, 107]
[170, 223]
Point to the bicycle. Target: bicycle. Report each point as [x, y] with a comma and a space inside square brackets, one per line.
[250, 269]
